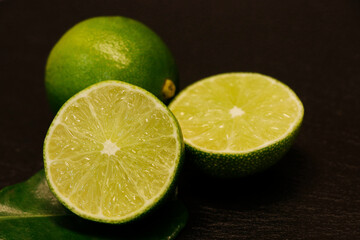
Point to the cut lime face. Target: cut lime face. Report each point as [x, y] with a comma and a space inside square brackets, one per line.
[112, 152]
[234, 116]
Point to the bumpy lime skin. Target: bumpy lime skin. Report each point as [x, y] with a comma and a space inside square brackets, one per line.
[241, 165]
[107, 48]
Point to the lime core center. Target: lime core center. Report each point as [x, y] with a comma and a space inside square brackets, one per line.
[110, 148]
[235, 111]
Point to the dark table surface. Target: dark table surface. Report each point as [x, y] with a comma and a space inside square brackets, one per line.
[312, 46]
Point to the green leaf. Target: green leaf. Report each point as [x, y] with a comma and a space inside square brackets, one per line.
[29, 210]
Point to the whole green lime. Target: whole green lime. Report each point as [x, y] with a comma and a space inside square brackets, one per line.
[110, 47]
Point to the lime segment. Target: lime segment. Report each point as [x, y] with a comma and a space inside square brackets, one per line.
[112, 152]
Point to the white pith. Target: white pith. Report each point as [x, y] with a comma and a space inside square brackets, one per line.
[110, 148]
[236, 111]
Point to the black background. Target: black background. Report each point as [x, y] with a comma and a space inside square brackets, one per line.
[312, 46]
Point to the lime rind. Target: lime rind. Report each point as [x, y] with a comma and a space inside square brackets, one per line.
[233, 165]
[166, 190]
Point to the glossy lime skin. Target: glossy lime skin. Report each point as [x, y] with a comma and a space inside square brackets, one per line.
[104, 48]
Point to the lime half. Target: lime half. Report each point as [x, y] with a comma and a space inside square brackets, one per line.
[236, 124]
[112, 152]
